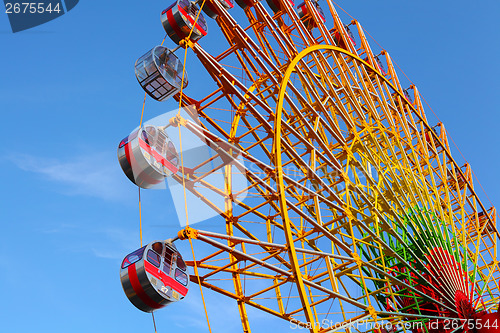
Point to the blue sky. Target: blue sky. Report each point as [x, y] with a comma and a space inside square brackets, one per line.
[68, 95]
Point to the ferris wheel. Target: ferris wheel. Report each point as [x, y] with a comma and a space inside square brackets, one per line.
[353, 210]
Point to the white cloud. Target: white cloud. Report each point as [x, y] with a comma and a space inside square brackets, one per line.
[96, 175]
[119, 243]
[103, 242]
[108, 254]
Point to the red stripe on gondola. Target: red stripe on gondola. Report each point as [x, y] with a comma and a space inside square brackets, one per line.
[141, 176]
[304, 9]
[136, 285]
[157, 156]
[174, 25]
[167, 280]
[191, 20]
[321, 16]
[153, 270]
[132, 162]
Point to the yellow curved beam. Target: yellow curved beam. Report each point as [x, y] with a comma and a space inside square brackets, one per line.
[281, 186]
[280, 181]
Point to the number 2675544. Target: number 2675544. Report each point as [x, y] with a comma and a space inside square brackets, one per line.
[31, 8]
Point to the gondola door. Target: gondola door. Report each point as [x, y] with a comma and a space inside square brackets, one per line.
[167, 269]
[154, 264]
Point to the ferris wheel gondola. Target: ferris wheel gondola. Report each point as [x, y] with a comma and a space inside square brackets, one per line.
[338, 38]
[159, 73]
[147, 156]
[179, 21]
[154, 276]
[307, 17]
[212, 11]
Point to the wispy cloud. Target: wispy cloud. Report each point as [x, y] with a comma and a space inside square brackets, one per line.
[103, 242]
[119, 242]
[108, 254]
[96, 175]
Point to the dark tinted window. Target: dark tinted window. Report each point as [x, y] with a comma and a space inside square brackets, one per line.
[167, 268]
[172, 153]
[123, 142]
[157, 247]
[133, 257]
[167, 260]
[129, 138]
[180, 263]
[151, 131]
[154, 258]
[181, 277]
[145, 137]
[168, 255]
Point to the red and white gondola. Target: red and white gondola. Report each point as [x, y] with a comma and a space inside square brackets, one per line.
[307, 18]
[147, 156]
[179, 18]
[338, 39]
[154, 276]
[212, 11]
[159, 73]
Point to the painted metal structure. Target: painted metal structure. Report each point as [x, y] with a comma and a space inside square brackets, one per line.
[358, 210]
[339, 40]
[308, 14]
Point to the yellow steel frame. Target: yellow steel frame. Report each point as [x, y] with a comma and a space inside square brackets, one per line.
[339, 156]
